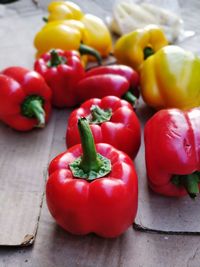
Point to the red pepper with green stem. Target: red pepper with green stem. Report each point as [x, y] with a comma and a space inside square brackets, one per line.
[25, 99]
[65, 75]
[130, 74]
[172, 151]
[61, 70]
[117, 80]
[92, 188]
[112, 120]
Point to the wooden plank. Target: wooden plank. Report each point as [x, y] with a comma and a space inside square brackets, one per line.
[23, 164]
[23, 156]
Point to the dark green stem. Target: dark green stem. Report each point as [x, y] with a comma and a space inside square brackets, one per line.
[148, 51]
[90, 165]
[45, 19]
[87, 50]
[56, 59]
[32, 108]
[128, 96]
[190, 182]
[99, 115]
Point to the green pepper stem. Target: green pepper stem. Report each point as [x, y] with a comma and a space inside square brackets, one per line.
[190, 182]
[148, 51]
[45, 19]
[36, 108]
[32, 108]
[55, 59]
[91, 165]
[87, 50]
[99, 115]
[89, 161]
[130, 98]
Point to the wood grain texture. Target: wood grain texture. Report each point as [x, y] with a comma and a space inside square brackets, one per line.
[23, 165]
[53, 246]
[23, 156]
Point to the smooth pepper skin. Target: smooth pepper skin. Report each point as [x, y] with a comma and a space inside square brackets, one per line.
[16, 85]
[106, 206]
[61, 10]
[171, 79]
[122, 125]
[129, 49]
[68, 36]
[172, 147]
[130, 74]
[63, 77]
[108, 80]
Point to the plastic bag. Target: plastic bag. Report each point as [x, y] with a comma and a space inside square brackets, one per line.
[129, 15]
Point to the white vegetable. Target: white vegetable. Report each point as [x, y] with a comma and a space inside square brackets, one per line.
[128, 16]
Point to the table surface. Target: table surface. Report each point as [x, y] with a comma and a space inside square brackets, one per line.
[53, 246]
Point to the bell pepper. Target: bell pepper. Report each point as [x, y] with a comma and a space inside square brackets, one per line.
[92, 188]
[96, 34]
[61, 70]
[133, 48]
[120, 81]
[111, 120]
[131, 75]
[171, 79]
[61, 10]
[70, 34]
[25, 99]
[172, 150]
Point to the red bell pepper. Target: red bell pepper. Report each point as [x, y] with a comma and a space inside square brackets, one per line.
[25, 99]
[109, 80]
[92, 192]
[111, 120]
[131, 75]
[172, 151]
[61, 70]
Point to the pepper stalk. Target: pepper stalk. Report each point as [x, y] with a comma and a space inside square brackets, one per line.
[190, 182]
[91, 165]
[32, 108]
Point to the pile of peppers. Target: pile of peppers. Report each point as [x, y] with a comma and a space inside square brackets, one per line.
[93, 185]
[71, 85]
[72, 28]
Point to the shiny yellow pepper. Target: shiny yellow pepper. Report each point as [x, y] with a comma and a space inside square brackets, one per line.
[66, 35]
[171, 78]
[64, 10]
[132, 49]
[56, 33]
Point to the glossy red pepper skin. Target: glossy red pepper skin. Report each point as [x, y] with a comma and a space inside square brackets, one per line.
[63, 77]
[123, 125]
[100, 86]
[107, 80]
[172, 147]
[131, 75]
[106, 206]
[16, 84]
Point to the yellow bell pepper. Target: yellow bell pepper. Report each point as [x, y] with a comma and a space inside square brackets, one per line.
[64, 10]
[94, 32]
[59, 34]
[133, 48]
[171, 78]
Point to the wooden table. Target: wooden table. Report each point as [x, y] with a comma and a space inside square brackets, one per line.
[53, 246]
